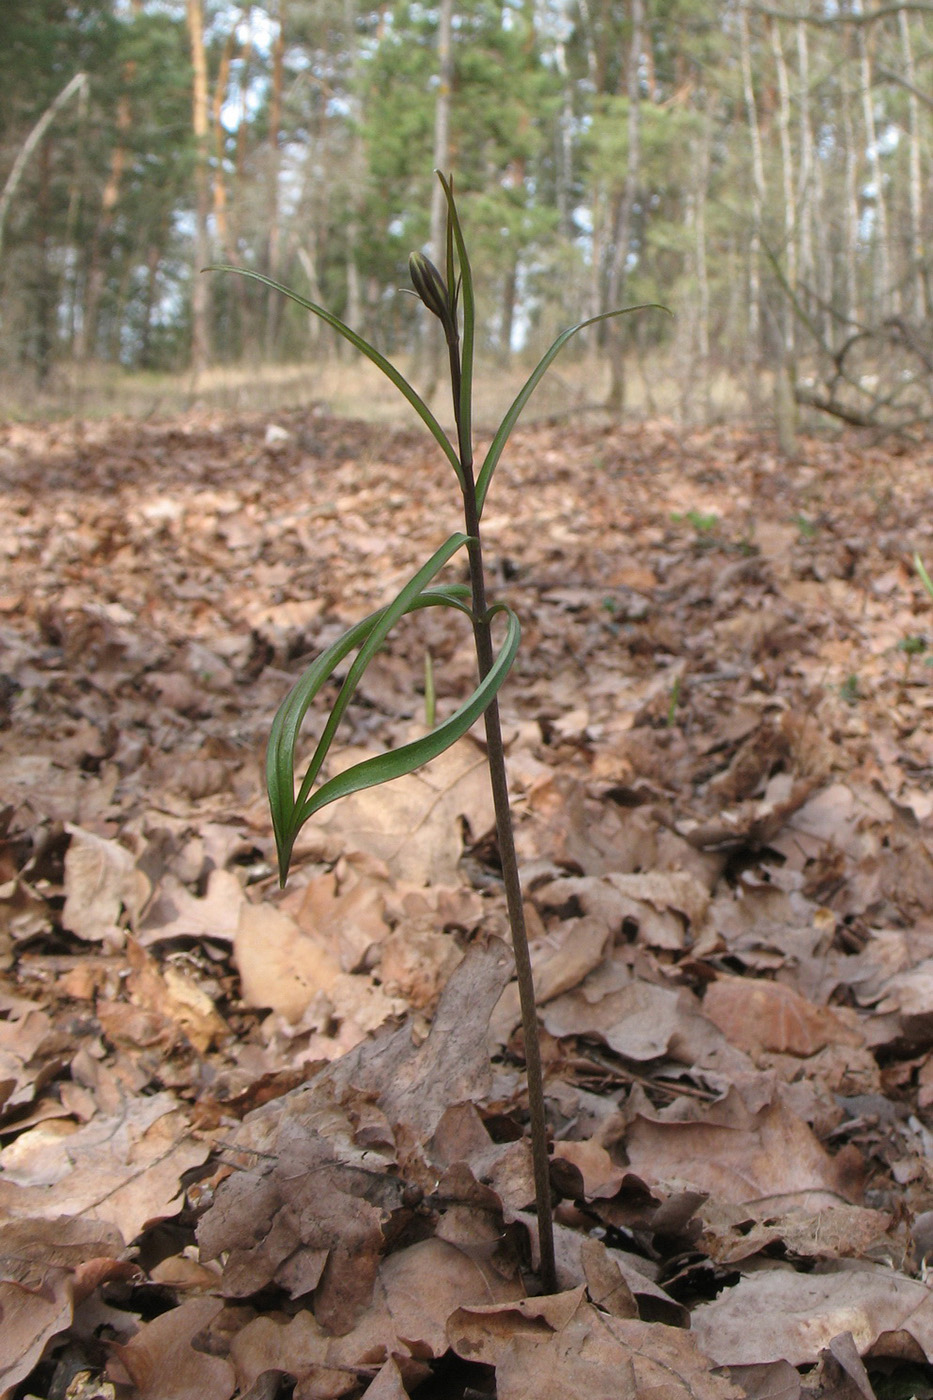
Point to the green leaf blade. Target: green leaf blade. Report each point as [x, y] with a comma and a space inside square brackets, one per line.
[365, 637]
[371, 772]
[469, 314]
[491, 460]
[365, 348]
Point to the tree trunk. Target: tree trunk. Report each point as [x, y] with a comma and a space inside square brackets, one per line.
[758, 189]
[221, 223]
[885, 296]
[87, 336]
[200, 291]
[787, 319]
[622, 234]
[274, 302]
[916, 281]
[45, 281]
[805, 174]
[852, 291]
[433, 341]
[785, 408]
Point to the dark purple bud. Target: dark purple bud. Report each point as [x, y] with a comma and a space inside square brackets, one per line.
[432, 289]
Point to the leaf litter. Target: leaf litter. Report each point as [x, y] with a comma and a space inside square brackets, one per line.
[259, 1143]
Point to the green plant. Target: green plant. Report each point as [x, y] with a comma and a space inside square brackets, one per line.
[911, 646]
[451, 300]
[807, 527]
[703, 522]
[849, 689]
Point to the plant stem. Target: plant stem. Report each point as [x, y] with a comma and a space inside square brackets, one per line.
[495, 753]
[495, 759]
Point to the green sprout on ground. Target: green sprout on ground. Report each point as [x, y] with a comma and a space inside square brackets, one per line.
[807, 527]
[849, 689]
[450, 298]
[914, 645]
[703, 522]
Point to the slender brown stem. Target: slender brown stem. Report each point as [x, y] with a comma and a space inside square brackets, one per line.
[495, 758]
[495, 753]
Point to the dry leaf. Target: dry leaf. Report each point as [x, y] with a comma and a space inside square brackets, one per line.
[162, 1362]
[280, 967]
[783, 1315]
[103, 889]
[412, 823]
[554, 1347]
[758, 1016]
[772, 1154]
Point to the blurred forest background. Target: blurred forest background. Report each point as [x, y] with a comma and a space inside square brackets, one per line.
[766, 171]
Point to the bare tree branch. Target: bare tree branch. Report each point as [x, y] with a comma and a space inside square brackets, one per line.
[77, 84]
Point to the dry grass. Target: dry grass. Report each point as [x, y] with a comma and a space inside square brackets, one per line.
[353, 388]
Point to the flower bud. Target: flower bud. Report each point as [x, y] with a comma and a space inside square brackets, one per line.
[432, 289]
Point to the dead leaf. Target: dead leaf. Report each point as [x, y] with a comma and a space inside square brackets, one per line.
[412, 823]
[162, 1362]
[559, 1346]
[103, 889]
[30, 1318]
[123, 1169]
[770, 1154]
[416, 1084]
[176, 913]
[761, 1015]
[280, 967]
[783, 1315]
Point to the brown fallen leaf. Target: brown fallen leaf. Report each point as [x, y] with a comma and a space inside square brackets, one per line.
[414, 1292]
[103, 889]
[772, 1380]
[344, 916]
[415, 1085]
[780, 1314]
[308, 1207]
[771, 1154]
[162, 1362]
[835, 1231]
[555, 1347]
[176, 913]
[842, 1372]
[30, 1318]
[46, 1266]
[388, 1384]
[164, 1004]
[412, 823]
[122, 1169]
[660, 903]
[280, 967]
[755, 1015]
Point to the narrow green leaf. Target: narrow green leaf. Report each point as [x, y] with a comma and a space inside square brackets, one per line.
[924, 576]
[374, 639]
[491, 460]
[280, 754]
[368, 636]
[386, 766]
[364, 347]
[469, 315]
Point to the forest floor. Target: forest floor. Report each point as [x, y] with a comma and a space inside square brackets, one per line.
[258, 1143]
